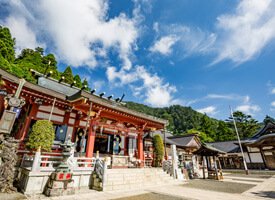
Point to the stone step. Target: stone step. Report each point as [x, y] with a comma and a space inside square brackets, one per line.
[123, 179]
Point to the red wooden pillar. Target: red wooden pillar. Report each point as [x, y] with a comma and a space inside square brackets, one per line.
[91, 141]
[26, 127]
[140, 149]
[66, 118]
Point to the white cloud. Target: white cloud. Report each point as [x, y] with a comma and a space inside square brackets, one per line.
[82, 33]
[234, 97]
[244, 33]
[152, 88]
[98, 85]
[194, 40]
[221, 96]
[74, 28]
[210, 110]
[239, 36]
[186, 39]
[25, 37]
[273, 104]
[164, 45]
[248, 109]
[122, 75]
[272, 91]
[246, 99]
[156, 27]
[157, 93]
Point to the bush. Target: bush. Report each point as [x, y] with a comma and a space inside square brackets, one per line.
[41, 136]
[158, 150]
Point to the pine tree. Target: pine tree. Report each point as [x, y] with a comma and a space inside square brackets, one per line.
[68, 74]
[85, 82]
[247, 126]
[78, 81]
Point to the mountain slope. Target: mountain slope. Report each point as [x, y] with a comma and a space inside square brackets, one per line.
[181, 119]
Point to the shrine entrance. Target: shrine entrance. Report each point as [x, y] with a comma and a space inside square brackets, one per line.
[103, 143]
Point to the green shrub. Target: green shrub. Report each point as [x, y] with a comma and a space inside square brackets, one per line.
[41, 136]
[158, 150]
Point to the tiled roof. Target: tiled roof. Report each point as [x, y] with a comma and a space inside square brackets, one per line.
[270, 126]
[65, 92]
[185, 140]
[208, 150]
[227, 146]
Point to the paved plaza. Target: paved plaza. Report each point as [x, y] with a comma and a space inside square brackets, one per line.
[234, 186]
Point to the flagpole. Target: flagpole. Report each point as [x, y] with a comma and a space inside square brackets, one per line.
[244, 162]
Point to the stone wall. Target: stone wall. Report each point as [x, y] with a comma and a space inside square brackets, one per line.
[34, 182]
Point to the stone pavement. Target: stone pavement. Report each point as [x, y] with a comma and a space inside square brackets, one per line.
[263, 190]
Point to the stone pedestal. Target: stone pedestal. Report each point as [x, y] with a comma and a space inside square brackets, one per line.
[59, 184]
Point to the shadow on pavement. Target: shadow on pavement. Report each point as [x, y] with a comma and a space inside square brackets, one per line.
[266, 194]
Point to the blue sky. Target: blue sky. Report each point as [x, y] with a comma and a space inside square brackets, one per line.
[203, 54]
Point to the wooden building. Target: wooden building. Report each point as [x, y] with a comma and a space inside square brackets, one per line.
[259, 150]
[93, 122]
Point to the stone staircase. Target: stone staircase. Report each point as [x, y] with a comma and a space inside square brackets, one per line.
[135, 178]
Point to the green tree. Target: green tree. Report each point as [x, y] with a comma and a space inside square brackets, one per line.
[247, 126]
[168, 117]
[41, 136]
[202, 135]
[224, 132]
[49, 63]
[7, 44]
[208, 126]
[158, 150]
[77, 79]
[180, 118]
[39, 50]
[68, 74]
[85, 82]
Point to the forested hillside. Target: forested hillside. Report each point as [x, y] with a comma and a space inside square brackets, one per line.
[182, 120]
[185, 120]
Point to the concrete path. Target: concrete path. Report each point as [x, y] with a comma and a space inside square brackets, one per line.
[243, 179]
[264, 190]
[197, 194]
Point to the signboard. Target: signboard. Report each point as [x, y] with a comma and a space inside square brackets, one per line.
[3, 93]
[7, 121]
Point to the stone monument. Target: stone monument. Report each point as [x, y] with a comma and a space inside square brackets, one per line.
[60, 182]
[177, 173]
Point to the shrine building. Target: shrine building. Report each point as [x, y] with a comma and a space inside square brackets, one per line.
[93, 122]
